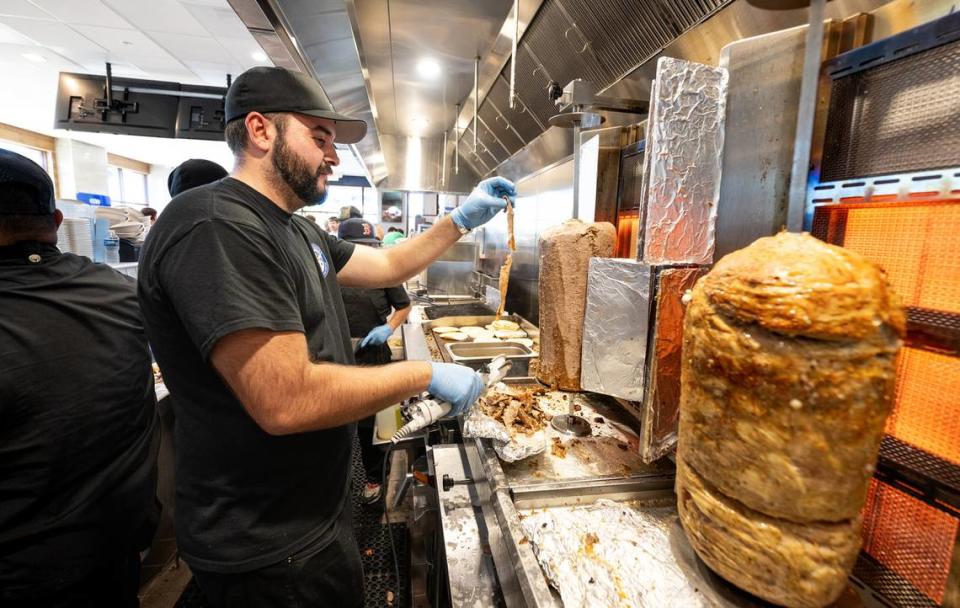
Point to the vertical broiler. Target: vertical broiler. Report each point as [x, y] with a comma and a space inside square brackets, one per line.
[886, 184]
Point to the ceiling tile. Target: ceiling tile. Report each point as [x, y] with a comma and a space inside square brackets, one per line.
[12, 54]
[136, 48]
[8, 35]
[220, 21]
[158, 16]
[242, 51]
[88, 12]
[22, 8]
[57, 36]
[192, 48]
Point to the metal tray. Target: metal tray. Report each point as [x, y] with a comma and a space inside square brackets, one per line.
[477, 355]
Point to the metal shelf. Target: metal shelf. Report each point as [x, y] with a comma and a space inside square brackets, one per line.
[918, 473]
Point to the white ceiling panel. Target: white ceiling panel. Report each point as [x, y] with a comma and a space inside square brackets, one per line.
[22, 8]
[220, 21]
[243, 49]
[88, 12]
[214, 74]
[192, 48]
[8, 35]
[12, 54]
[131, 45]
[52, 34]
[158, 16]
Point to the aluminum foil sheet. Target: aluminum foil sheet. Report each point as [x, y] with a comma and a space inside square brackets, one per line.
[660, 410]
[509, 447]
[611, 554]
[685, 142]
[614, 351]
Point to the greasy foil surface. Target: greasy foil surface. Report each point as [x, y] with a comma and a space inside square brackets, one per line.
[510, 447]
[684, 145]
[615, 322]
[611, 554]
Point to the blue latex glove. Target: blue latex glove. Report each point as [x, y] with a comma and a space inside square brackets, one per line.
[459, 385]
[484, 203]
[377, 336]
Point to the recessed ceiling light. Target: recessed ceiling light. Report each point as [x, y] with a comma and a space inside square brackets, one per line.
[428, 68]
[34, 57]
[258, 56]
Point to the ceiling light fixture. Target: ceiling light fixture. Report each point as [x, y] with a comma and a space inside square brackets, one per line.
[34, 57]
[258, 56]
[428, 68]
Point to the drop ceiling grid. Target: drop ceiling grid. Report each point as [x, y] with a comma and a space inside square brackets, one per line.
[196, 42]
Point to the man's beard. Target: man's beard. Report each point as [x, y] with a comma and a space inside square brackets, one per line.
[295, 172]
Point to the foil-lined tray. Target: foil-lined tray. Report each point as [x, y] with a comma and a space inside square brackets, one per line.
[612, 554]
[684, 147]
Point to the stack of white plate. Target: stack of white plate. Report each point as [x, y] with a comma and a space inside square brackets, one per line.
[63, 238]
[114, 214]
[131, 231]
[80, 236]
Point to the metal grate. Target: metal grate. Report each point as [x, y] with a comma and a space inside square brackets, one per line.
[921, 474]
[926, 409]
[912, 539]
[897, 117]
[918, 245]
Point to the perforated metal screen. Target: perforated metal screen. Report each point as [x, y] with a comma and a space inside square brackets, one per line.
[901, 116]
[910, 538]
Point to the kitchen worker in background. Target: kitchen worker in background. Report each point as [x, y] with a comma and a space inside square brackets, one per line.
[311, 217]
[149, 212]
[393, 235]
[79, 432]
[333, 226]
[373, 315]
[245, 316]
[192, 173]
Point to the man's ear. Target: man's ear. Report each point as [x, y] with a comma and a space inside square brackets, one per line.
[260, 131]
[57, 217]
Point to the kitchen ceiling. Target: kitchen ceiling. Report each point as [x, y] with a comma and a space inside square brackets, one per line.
[400, 38]
[190, 41]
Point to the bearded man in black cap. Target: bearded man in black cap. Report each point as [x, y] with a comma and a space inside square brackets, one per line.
[244, 313]
[78, 438]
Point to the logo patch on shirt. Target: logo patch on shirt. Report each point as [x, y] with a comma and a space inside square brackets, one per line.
[321, 259]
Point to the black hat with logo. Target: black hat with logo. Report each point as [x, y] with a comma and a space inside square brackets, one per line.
[357, 230]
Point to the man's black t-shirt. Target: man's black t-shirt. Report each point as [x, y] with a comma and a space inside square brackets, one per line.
[223, 258]
[369, 308]
[78, 421]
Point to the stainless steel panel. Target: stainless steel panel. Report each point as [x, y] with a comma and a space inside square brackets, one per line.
[452, 273]
[470, 570]
[543, 200]
[615, 323]
[684, 143]
[764, 87]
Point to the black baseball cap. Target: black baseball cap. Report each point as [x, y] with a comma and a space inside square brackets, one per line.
[358, 230]
[192, 173]
[264, 89]
[33, 182]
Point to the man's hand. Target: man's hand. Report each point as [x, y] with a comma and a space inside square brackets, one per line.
[457, 384]
[484, 203]
[377, 336]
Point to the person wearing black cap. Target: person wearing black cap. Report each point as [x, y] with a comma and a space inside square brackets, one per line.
[192, 173]
[242, 302]
[373, 315]
[79, 433]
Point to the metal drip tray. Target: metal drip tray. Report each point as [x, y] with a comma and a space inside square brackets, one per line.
[476, 355]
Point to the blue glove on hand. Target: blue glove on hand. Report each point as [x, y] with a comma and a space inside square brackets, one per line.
[377, 336]
[459, 385]
[484, 203]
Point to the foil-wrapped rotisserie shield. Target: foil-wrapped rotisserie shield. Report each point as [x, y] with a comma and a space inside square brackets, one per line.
[684, 145]
[614, 350]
